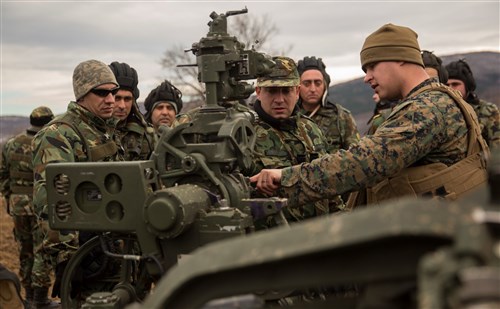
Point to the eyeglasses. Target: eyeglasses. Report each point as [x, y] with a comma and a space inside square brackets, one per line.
[105, 92]
[126, 99]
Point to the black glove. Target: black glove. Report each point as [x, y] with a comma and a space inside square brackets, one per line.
[56, 288]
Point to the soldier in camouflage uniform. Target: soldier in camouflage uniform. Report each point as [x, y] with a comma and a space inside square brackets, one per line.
[16, 176]
[336, 122]
[133, 134]
[423, 149]
[383, 109]
[460, 77]
[163, 104]
[434, 66]
[83, 134]
[285, 137]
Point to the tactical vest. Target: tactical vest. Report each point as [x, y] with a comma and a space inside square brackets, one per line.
[18, 176]
[94, 153]
[437, 180]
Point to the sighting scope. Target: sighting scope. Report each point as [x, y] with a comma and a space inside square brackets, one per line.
[223, 62]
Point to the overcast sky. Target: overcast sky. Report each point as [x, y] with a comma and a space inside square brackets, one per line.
[43, 41]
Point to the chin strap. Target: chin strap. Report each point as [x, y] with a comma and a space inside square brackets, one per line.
[314, 111]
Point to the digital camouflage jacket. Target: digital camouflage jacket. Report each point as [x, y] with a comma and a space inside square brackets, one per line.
[422, 129]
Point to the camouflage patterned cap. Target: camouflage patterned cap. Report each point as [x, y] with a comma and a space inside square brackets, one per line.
[90, 74]
[40, 116]
[283, 74]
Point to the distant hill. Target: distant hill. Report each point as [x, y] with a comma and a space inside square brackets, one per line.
[353, 95]
[12, 125]
[356, 96]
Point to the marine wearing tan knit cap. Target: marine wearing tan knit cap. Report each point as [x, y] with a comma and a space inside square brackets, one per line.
[391, 43]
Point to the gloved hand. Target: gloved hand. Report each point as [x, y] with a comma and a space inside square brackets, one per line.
[56, 289]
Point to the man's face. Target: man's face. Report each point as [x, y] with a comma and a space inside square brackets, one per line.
[278, 102]
[385, 79]
[312, 87]
[100, 101]
[123, 104]
[163, 114]
[457, 85]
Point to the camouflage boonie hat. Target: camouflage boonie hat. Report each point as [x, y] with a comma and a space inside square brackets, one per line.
[40, 116]
[90, 74]
[283, 74]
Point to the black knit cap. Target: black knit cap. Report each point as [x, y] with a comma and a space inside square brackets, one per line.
[313, 63]
[460, 70]
[165, 92]
[433, 61]
[126, 76]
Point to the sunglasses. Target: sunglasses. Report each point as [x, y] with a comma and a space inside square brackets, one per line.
[105, 92]
[276, 90]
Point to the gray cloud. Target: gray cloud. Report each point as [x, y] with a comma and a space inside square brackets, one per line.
[43, 41]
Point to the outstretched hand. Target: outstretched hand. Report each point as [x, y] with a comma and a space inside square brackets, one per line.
[267, 181]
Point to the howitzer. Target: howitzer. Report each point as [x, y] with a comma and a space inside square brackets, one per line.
[150, 214]
[411, 253]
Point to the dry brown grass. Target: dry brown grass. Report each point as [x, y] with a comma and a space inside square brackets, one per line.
[9, 255]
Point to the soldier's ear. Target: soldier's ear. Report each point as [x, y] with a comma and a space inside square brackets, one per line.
[257, 91]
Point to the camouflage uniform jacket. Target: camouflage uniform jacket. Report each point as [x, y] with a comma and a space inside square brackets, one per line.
[489, 120]
[377, 119]
[16, 174]
[337, 124]
[382, 111]
[59, 142]
[136, 139]
[285, 143]
[422, 129]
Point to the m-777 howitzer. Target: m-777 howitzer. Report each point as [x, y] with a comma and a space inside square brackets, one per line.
[148, 215]
[409, 253]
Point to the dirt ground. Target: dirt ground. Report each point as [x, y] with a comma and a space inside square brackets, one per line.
[9, 255]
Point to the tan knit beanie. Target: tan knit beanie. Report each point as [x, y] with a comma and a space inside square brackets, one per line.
[391, 43]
